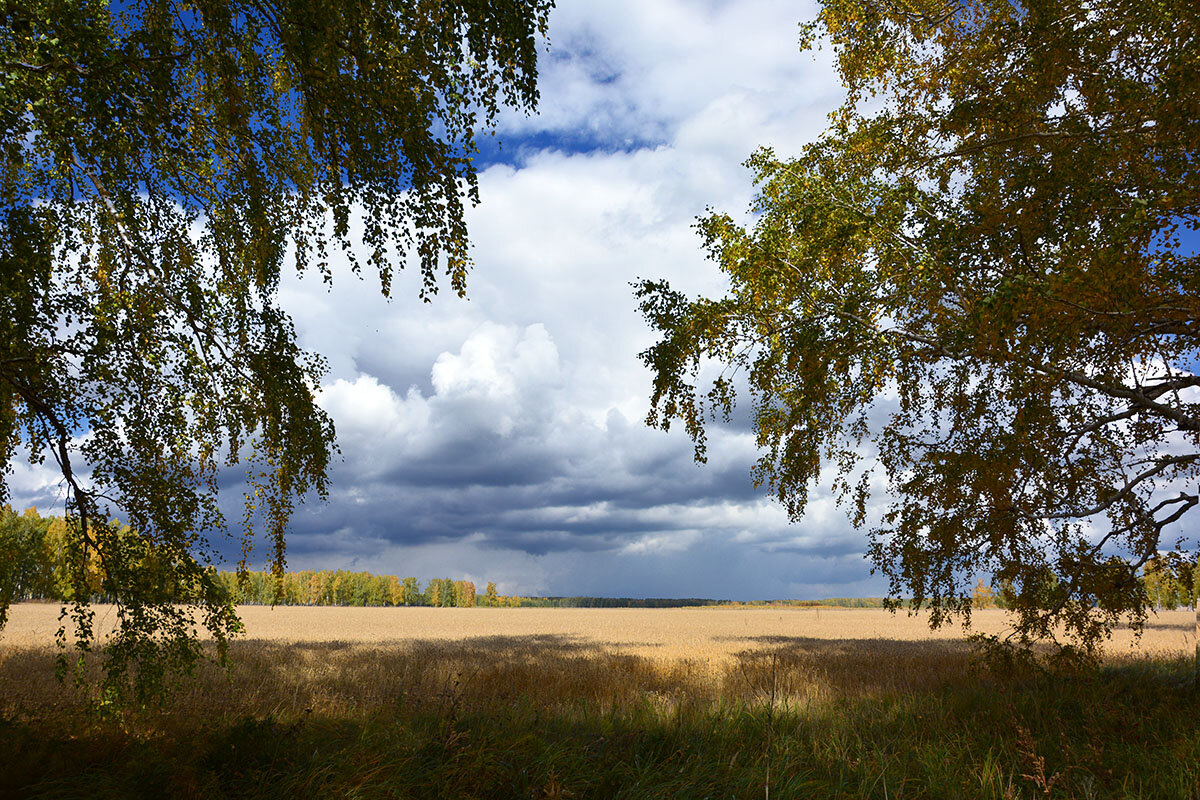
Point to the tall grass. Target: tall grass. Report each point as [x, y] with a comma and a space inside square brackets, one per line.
[554, 716]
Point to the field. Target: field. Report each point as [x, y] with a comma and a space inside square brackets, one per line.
[539, 703]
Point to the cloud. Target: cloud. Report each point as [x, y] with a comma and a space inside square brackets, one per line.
[32, 484]
[501, 437]
[498, 463]
[628, 75]
[505, 433]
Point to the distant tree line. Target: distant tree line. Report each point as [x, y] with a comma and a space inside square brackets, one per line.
[616, 602]
[345, 588]
[34, 566]
[828, 602]
[33, 559]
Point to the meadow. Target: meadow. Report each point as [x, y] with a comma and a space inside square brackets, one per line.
[638, 703]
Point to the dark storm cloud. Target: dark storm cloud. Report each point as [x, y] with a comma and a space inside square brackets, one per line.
[500, 455]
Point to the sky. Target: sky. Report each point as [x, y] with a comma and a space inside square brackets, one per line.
[501, 437]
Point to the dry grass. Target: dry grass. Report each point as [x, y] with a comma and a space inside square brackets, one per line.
[338, 680]
[607, 703]
[356, 662]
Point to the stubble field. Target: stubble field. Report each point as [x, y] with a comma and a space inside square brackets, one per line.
[699, 634]
[421, 702]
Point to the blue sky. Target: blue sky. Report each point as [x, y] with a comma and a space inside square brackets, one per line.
[501, 437]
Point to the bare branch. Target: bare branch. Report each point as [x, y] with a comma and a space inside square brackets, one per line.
[1018, 137]
[1161, 465]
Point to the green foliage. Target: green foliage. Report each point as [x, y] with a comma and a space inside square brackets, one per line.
[411, 592]
[25, 564]
[440, 592]
[320, 588]
[1168, 581]
[161, 163]
[971, 286]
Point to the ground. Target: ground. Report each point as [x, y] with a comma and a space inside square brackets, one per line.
[603, 703]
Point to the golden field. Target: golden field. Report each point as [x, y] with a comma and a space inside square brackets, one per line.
[697, 634]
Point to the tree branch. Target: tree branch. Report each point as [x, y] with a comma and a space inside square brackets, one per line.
[1161, 465]
[1018, 137]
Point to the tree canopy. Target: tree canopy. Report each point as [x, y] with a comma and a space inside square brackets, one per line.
[160, 164]
[971, 294]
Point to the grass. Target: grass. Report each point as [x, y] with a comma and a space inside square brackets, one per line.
[555, 715]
